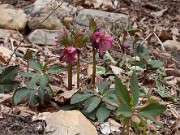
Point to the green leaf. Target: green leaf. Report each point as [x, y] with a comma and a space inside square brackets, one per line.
[79, 97]
[103, 86]
[92, 103]
[125, 110]
[56, 69]
[92, 24]
[32, 99]
[28, 74]
[88, 91]
[152, 109]
[33, 81]
[155, 63]
[6, 79]
[151, 118]
[102, 113]
[1, 69]
[41, 94]
[49, 90]
[9, 73]
[43, 80]
[35, 65]
[160, 90]
[134, 85]
[24, 93]
[8, 86]
[100, 70]
[121, 92]
[108, 55]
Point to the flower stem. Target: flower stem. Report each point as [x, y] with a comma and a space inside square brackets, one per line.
[127, 127]
[78, 72]
[94, 67]
[69, 76]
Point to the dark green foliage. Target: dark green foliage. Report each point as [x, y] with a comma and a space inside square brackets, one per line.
[96, 104]
[7, 76]
[37, 87]
[128, 103]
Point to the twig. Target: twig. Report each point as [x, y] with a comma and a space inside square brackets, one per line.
[146, 38]
[159, 41]
[31, 32]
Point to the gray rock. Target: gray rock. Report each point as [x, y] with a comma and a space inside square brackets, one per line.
[46, 6]
[171, 45]
[84, 15]
[11, 18]
[43, 37]
[51, 23]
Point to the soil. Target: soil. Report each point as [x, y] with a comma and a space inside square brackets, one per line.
[12, 124]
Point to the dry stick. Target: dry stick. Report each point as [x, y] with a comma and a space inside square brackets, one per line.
[31, 32]
[159, 41]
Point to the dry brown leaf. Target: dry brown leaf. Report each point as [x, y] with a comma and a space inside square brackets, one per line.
[5, 97]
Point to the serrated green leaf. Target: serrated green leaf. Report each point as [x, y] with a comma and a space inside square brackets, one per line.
[56, 69]
[9, 73]
[23, 93]
[28, 74]
[134, 85]
[35, 65]
[92, 103]
[102, 113]
[152, 109]
[103, 86]
[121, 92]
[43, 80]
[92, 24]
[78, 97]
[125, 110]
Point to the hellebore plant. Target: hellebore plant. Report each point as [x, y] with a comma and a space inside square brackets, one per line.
[70, 55]
[72, 40]
[101, 42]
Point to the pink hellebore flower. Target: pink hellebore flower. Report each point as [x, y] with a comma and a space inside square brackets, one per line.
[70, 54]
[101, 41]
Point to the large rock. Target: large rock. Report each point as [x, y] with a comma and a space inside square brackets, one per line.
[84, 15]
[43, 37]
[46, 6]
[68, 123]
[51, 23]
[11, 18]
[171, 45]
